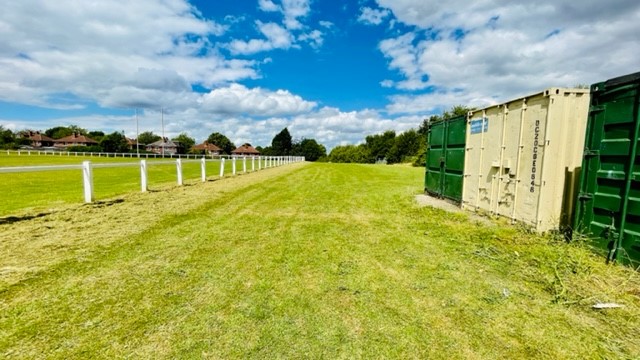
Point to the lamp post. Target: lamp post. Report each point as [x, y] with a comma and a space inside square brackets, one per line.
[137, 135]
[163, 140]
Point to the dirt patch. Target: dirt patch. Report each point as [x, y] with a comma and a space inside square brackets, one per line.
[425, 200]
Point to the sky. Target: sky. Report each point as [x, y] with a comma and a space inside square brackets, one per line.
[334, 71]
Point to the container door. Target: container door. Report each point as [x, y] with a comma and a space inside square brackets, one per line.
[445, 158]
[435, 159]
[608, 205]
[454, 159]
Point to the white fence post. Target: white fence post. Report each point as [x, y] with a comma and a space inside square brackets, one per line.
[87, 179]
[244, 164]
[259, 162]
[179, 170]
[222, 167]
[203, 170]
[233, 166]
[144, 182]
[253, 163]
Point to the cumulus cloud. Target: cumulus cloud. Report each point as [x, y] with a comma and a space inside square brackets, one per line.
[293, 10]
[268, 5]
[238, 99]
[276, 36]
[314, 38]
[283, 36]
[506, 49]
[371, 16]
[88, 49]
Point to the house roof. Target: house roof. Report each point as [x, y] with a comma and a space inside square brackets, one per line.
[76, 139]
[36, 136]
[246, 149]
[163, 143]
[206, 146]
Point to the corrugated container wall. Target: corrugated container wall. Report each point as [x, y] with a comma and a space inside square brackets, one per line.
[523, 158]
[445, 159]
[609, 203]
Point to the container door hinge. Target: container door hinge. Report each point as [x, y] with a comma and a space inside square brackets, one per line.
[591, 153]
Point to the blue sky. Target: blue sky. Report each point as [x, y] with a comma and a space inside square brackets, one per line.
[333, 71]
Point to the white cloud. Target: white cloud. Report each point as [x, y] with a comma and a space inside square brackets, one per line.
[268, 5]
[277, 37]
[500, 50]
[314, 38]
[88, 49]
[238, 99]
[293, 10]
[326, 24]
[371, 16]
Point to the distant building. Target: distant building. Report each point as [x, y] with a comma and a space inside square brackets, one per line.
[74, 139]
[209, 149]
[131, 143]
[170, 147]
[245, 150]
[37, 139]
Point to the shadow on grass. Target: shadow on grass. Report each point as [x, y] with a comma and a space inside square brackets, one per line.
[15, 219]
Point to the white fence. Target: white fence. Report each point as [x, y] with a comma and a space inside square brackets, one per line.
[263, 162]
[31, 152]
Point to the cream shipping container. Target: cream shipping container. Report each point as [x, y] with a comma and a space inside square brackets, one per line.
[523, 158]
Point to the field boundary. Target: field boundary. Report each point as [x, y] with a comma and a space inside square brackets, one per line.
[263, 162]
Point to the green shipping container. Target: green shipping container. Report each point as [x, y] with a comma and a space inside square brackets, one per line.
[445, 158]
[608, 206]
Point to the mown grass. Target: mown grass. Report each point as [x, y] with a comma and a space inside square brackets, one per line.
[305, 261]
[39, 191]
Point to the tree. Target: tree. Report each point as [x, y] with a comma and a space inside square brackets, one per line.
[96, 135]
[7, 138]
[405, 145]
[349, 154]
[266, 151]
[222, 142]
[147, 138]
[186, 142]
[379, 145]
[282, 143]
[309, 148]
[59, 132]
[114, 143]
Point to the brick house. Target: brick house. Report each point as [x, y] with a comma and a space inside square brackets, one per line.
[37, 139]
[170, 147]
[209, 149]
[74, 139]
[245, 150]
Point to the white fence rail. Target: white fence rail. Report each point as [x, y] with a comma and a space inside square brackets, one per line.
[88, 166]
[36, 152]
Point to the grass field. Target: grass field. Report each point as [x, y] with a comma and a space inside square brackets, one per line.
[39, 191]
[303, 261]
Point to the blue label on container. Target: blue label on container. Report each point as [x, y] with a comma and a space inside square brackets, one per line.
[479, 125]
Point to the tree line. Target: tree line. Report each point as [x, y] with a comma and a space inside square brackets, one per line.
[391, 148]
[281, 145]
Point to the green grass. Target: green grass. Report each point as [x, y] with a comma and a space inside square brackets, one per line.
[39, 191]
[303, 261]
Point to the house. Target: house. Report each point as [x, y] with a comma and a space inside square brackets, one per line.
[245, 150]
[164, 146]
[74, 139]
[131, 143]
[209, 149]
[37, 139]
